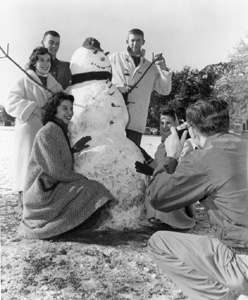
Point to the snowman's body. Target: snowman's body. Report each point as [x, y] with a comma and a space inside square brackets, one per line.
[100, 112]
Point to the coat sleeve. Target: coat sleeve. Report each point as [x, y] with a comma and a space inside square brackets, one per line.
[188, 184]
[17, 105]
[162, 83]
[50, 154]
[118, 79]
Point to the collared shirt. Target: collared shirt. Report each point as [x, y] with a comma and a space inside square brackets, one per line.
[217, 177]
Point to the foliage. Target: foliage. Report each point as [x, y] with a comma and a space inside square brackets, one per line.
[232, 86]
[187, 87]
[225, 80]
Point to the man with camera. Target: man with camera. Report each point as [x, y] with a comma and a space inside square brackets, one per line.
[205, 267]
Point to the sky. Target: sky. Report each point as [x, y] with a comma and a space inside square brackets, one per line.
[192, 33]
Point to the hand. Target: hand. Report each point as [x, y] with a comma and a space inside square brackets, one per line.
[173, 144]
[143, 168]
[187, 148]
[37, 112]
[81, 144]
[159, 60]
[147, 157]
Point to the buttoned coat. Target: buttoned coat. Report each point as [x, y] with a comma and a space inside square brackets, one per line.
[55, 198]
[24, 102]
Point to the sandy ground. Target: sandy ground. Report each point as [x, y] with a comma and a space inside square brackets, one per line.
[81, 264]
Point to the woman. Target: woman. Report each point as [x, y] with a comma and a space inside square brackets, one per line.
[24, 102]
[181, 218]
[57, 199]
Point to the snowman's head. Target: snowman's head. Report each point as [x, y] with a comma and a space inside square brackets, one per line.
[89, 58]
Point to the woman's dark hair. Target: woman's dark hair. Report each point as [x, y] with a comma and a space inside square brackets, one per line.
[50, 108]
[35, 56]
[209, 116]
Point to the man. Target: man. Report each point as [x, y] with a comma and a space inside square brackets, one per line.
[60, 70]
[216, 175]
[181, 218]
[127, 68]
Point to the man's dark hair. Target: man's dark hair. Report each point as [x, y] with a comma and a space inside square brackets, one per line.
[50, 108]
[137, 32]
[52, 33]
[209, 116]
[169, 111]
[35, 56]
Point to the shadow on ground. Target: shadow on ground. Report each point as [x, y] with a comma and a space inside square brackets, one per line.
[134, 237]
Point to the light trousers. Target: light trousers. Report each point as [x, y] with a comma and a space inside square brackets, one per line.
[202, 267]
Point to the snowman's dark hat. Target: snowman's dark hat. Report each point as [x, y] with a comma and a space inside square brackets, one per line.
[92, 43]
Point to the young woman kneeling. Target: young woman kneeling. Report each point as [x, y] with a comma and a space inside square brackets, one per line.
[56, 199]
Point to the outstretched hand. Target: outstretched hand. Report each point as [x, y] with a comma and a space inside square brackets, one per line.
[81, 144]
[143, 168]
[173, 144]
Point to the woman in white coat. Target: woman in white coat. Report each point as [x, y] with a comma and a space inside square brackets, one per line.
[24, 102]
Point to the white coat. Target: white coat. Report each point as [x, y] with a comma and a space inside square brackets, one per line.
[24, 102]
[126, 74]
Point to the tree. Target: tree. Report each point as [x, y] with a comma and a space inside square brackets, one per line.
[187, 87]
[232, 86]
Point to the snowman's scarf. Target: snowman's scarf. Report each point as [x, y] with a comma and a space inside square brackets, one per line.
[82, 77]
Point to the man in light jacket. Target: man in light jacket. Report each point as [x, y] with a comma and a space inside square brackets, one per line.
[127, 68]
[205, 267]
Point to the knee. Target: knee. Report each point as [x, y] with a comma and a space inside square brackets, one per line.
[157, 243]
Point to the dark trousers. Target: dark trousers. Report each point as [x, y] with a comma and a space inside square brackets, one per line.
[134, 136]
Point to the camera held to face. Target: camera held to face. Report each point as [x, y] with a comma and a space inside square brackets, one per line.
[181, 131]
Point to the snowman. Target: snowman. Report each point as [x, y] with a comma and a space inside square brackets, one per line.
[100, 112]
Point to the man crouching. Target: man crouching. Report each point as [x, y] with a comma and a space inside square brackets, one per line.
[216, 175]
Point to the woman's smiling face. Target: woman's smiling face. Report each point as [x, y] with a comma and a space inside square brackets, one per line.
[43, 64]
[65, 111]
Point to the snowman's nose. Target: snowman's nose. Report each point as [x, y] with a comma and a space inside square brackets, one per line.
[102, 58]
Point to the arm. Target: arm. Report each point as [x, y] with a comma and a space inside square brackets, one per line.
[174, 186]
[162, 83]
[188, 184]
[50, 152]
[17, 105]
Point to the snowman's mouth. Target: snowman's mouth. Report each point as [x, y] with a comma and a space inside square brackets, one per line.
[82, 77]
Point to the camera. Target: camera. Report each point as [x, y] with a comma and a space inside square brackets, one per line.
[181, 131]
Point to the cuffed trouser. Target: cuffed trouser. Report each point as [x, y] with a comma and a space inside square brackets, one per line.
[202, 267]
